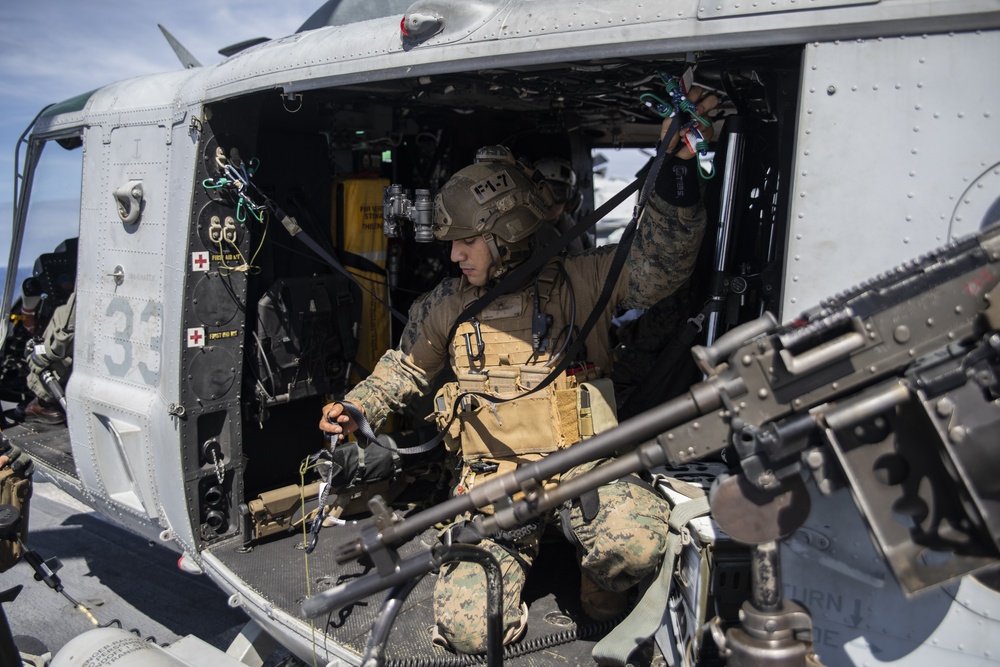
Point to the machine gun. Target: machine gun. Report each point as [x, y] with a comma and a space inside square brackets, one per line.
[890, 388]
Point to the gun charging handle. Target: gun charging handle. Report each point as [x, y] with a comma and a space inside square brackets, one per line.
[707, 358]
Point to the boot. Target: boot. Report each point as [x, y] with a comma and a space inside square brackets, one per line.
[601, 604]
[41, 414]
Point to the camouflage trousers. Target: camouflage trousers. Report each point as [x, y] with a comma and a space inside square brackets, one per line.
[619, 547]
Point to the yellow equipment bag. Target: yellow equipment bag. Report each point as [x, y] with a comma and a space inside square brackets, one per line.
[357, 232]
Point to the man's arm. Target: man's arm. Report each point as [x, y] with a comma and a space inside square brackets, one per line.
[667, 240]
[60, 332]
[669, 236]
[403, 373]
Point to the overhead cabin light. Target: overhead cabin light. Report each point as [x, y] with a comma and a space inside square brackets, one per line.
[416, 27]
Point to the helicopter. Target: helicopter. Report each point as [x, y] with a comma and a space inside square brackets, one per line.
[232, 273]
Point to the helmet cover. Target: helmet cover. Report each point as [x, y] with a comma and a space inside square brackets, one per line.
[494, 196]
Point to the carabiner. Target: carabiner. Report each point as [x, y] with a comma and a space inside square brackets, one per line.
[695, 141]
[480, 345]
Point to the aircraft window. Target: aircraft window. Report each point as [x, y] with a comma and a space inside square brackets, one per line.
[613, 170]
[53, 218]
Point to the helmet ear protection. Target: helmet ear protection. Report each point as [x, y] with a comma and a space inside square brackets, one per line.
[573, 205]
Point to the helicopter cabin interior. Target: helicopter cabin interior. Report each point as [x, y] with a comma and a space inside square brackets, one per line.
[305, 329]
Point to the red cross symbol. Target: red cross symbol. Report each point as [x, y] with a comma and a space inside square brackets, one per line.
[196, 337]
[199, 261]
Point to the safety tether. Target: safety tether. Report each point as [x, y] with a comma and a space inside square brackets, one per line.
[643, 621]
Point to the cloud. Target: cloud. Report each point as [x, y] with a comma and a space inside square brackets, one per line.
[52, 50]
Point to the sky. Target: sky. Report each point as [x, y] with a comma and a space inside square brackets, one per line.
[52, 50]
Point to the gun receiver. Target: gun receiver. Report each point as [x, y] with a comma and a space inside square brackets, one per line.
[891, 388]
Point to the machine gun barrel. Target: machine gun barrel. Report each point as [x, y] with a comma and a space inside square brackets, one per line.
[343, 594]
[701, 399]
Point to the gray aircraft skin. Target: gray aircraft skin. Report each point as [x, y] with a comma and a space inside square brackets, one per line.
[854, 135]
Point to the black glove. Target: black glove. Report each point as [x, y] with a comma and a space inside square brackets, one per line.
[37, 355]
[677, 182]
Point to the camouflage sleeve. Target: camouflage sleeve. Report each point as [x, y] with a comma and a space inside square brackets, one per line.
[406, 372]
[664, 251]
[60, 332]
[55, 353]
[391, 386]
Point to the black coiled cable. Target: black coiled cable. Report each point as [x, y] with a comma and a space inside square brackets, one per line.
[510, 651]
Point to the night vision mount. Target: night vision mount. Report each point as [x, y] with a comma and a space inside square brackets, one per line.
[399, 208]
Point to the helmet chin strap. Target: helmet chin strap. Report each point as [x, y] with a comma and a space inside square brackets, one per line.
[506, 256]
[498, 265]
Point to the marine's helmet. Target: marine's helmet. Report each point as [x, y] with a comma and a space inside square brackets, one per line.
[496, 198]
[561, 179]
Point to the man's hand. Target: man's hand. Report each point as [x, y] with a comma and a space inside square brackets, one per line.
[706, 102]
[335, 420]
[13, 457]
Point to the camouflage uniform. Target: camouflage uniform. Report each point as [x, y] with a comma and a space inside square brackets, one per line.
[623, 543]
[57, 354]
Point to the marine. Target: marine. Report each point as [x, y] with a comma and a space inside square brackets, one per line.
[490, 212]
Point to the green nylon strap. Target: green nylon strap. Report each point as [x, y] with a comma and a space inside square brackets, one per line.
[643, 621]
